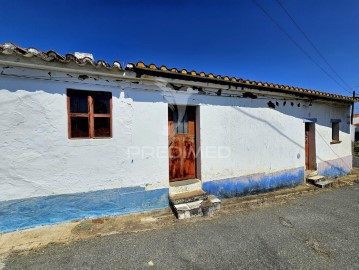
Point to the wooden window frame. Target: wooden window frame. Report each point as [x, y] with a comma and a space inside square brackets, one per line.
[90, 114]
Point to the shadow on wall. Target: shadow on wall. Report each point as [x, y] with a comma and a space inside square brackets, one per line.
[292, 107]
[330, 168]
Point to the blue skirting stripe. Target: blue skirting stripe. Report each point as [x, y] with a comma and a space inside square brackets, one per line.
[336, 167]
[254, 184]
[31, 212]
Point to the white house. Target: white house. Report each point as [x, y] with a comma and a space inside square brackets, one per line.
[82, 138]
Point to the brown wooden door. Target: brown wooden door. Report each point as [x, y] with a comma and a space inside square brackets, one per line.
[307, 146]
[310, 151]
[181, 142]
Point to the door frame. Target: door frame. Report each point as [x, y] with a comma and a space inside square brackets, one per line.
[310, 146]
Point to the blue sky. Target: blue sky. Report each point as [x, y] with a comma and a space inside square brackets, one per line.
[232, 38]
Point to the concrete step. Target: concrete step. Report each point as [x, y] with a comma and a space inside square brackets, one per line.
[309, 173]
[188, 197]
[315, 179]
[185, 186]
[324, 183]
[194, 204]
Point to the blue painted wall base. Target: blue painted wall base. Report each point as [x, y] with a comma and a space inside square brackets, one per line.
[335, 168]
[31, 212]
[254, 184]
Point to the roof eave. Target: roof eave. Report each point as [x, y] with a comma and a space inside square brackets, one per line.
[167, 74]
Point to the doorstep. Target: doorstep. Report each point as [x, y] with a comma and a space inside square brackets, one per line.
[183, 186]
[188, 200]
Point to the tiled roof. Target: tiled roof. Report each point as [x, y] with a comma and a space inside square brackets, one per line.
[218, 79]
[53, 56]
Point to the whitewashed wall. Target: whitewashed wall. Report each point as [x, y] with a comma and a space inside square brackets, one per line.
[38, 159]
[264, 140]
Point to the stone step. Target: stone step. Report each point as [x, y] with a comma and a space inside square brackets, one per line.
[324, 183]
[185, 186]
[315, 179]
[309, 173]
[195, 206]
[188, 197]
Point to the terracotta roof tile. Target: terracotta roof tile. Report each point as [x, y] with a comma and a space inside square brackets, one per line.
[52, 56]
[291, 89]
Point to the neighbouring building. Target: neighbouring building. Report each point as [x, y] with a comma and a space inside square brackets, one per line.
[83, 138]
[355, 128]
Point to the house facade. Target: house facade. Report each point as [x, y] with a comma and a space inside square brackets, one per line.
[82, 138]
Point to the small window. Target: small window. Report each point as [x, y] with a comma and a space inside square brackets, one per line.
[335, 132]
[180, 120]
[90, 114]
